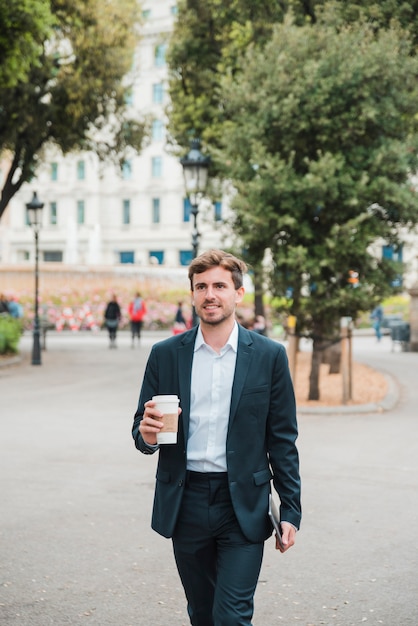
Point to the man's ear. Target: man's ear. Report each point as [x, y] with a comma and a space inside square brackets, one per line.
[239, 294]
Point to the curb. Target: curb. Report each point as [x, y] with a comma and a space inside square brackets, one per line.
[386, 404]
[9, 361]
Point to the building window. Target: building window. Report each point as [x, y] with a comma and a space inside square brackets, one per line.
[394, 253]
[54, 171]
[217, 211]
[129, 97]
[157, 130]
[159, 56]
[157, 167]
[156, 210]
[80, 212]
[156, 257]
[187, 207]
[81, 170]
[173, 9]
[52, 256]
[185, 257]
[126, 212]
[146, 13]
[127, 170]
[158, 93]
[53, 214]
[127, 257]
[23, 255]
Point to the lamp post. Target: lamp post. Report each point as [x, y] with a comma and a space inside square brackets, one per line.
[195, 171]
[34, 208]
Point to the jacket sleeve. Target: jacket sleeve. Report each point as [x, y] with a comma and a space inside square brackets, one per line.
[149, 388]
[282, 432]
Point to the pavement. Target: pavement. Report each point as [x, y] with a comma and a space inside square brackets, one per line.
[75, 540]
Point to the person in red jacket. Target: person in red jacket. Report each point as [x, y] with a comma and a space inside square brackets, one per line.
[136, 310]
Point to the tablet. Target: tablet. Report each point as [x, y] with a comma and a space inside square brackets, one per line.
[275, 519]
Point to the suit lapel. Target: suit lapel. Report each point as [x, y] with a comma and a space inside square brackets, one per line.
[244, 358]
[184, 364]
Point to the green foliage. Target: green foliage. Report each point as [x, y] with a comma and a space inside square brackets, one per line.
[73, 94]
[24, 24]
[10, 333]
[208, 39]
[320, 152]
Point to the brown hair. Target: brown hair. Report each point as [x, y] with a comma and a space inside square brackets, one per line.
[218, 258]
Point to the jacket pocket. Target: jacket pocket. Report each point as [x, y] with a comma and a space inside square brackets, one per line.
[262, 477]
[253, 390]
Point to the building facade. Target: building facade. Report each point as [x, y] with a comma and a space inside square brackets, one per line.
[99, 215]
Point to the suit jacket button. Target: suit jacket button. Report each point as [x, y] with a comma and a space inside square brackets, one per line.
[181, 483]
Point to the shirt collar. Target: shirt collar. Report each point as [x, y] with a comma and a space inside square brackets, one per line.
[232, 339]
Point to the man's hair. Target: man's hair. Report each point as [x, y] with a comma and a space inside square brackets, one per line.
[218, 258]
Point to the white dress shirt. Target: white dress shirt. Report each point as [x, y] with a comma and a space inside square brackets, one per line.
[210, 401]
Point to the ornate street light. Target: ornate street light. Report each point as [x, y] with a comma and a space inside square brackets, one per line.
[34, 208]
[195, 172]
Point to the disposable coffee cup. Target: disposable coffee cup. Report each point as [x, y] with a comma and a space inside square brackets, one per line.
[168, 405]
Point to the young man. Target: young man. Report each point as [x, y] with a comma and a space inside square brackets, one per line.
[237, 432]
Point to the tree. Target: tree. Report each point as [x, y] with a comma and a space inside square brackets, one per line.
[74, 92]
[208, 38]
[321, 140]
[24, 24]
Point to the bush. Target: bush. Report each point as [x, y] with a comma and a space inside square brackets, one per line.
[10, 333]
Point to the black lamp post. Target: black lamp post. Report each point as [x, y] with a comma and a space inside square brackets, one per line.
[34, 208]
[195, 172]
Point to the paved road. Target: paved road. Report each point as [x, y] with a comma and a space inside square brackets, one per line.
[75, 542]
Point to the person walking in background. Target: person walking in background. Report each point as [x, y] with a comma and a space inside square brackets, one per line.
[260, 325]
[377, 319]
[112, 318]
[15, 308]
[237, 434]
[180, 324]
[4, 305]
[136, 310]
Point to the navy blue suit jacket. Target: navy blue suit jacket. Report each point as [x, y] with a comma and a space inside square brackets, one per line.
[261, 437]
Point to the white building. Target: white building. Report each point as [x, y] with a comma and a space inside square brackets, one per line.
[95, 215]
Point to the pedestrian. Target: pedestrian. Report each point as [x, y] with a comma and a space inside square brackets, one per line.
[137, 309]
[377, 319]
[180, 324]
[4, 304]
[15, 308]
[237, 433]
[260, 325]
[112, 318]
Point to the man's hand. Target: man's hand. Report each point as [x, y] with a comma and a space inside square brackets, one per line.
[288, 537]
[151, 423]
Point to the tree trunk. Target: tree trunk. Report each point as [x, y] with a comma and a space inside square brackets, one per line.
[315, 370]
[258, 293]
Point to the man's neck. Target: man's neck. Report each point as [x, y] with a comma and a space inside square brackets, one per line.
[217, 335]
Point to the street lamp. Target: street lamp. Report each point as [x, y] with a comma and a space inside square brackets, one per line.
[195, 172]
[34, 208]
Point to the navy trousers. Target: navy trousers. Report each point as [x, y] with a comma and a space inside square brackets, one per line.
[218, 566]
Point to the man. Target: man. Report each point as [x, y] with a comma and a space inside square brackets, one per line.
[237, 432]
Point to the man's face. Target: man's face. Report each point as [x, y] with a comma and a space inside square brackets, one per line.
[214, 295]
